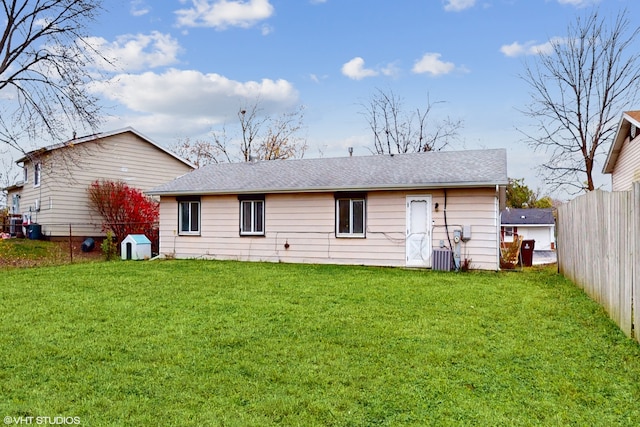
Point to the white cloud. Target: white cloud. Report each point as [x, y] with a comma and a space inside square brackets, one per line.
[530, 48]
[430, 63]
[512, 50]
[133, 52]
[391, 70]
[458, 5]
[222, 14]
[355, 70]
[189, 95]
[316, 78]
[578, 3]
[139, 8]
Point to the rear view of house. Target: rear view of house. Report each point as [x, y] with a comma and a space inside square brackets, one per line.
[414, 210]
[53, 191]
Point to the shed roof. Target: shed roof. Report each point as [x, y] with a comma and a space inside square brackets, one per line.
[475, 168]
[139, 239]
[533, 216]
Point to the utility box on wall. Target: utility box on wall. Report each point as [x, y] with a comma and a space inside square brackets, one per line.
[136, 247]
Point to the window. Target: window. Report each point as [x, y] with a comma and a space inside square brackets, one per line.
[509, 233]
[15, 205]
[350, 216]
[37, 171]
[189, 216]
[252, 216]
[25, 177]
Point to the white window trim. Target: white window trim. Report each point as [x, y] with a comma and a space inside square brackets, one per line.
[189, 232]
[15, 204]
[351, 234]
[37, 175]
[252, 232]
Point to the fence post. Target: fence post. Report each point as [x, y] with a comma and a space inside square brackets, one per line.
[635, 258]
[70, 245]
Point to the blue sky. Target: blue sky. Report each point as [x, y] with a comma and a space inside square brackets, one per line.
[185, 67]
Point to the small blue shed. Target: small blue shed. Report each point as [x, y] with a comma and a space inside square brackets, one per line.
[136, 247]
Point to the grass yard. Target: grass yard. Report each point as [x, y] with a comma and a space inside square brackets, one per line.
[20, 253]
[207, 343]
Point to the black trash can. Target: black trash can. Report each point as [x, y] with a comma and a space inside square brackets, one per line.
[526, 252]
[88, 244]
[34, 231]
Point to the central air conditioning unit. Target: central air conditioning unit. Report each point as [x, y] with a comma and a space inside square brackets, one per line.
[441, 260]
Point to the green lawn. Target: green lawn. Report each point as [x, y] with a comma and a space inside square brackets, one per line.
[198, 343]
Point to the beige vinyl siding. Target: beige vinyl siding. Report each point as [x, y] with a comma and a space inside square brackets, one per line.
[68, 172]
[476, 208]
[306, 222]
[627, 167]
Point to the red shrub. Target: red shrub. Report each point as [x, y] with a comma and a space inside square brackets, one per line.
[124, 210]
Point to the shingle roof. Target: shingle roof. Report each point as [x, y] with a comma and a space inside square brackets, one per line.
[401, 171]
[96, 137]
[534, 216]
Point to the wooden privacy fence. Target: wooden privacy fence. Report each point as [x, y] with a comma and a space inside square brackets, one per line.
[599, 250]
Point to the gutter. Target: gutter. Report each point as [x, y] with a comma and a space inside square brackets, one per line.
[433, 186]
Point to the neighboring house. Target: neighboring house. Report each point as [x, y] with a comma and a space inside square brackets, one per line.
[531, 224]
[53, 192]
[623, 160]
[386, 210]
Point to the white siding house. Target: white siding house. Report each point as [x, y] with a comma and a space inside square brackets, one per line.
[623, 159]
[372, 210]
[531, 224]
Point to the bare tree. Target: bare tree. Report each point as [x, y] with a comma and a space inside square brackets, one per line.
[578, 91]
[398, 131]
[250, 123]
[262, 137]
[281, 140]
[203, 152]
[8, 175]
[44, 71]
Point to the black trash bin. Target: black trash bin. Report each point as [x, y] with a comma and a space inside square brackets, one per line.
[34, 231]
[88, 244]
[526, 252]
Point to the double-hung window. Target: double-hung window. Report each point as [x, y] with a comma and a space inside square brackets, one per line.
[189, 215]
[15, 204]
[350, 215]
[251, 215]
[37, 174]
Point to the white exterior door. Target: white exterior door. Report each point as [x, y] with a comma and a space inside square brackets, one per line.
[418, 239]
